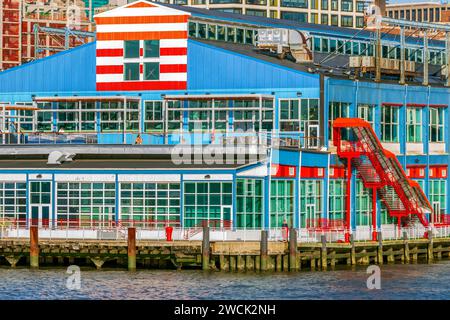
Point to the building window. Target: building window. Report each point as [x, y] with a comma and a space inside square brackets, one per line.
[324, 19]
[281, 202]
[347, 5]
[336, 202]
[150, 204]
[85, 204]
[359, 22]
[207, 201]
[367, 112]
[314, 18]
[295, 3]
[363, 204]
[425, 14]
[334, 20]
[413, 124]
[68, 116]
[249, 203]
[360, 7]
[324, 4]
[298, 114]
[153, 116]
[314, 4]
[295, 16]
[336, 110]
[131, 71]
[437, 198]
[131, 49]
[347, 21]
[256, 2]
[151, 48]
[151, 71]
[192, 27]
[13, 202]
[436, 125]
[419, 15]
[413, 15]
[334, 5]
[258, 13]
[310, 203]
[389, 124]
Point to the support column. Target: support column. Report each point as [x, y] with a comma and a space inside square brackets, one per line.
[378, 56]
[447, 58]
[293, 250]
[205, 248]
[430, 254]
[131, 249]
[353, 251]
[348, 208]
[380, 248]
[425, 58]
[406, 246]
[323, 252]
[402, 56]
[34, 247]
[264, 247]
[374, 214]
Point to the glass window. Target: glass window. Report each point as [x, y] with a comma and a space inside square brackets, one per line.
[131, 71]
[436, 125]
[297, 114]
[366, 112]
[250, 202]
[359, 22]
[13, 201]
[281, 202]
[295, 16]
[334, 5]
[295, 3]
[359, 6]
[347, 5]
[151, 48]
[437, 197]
[131, 49]
[324, 19]
[389, 124]
[151, 71]
[346, 21]
[153, 116]
[324, 4]
[254, 12]
[363, 204]
[310, 203]
[414, 124]
[336, 202]
[336, 110]
[334, 20]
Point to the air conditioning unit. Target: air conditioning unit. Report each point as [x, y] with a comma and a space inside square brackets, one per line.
[355, 62]
[368, 62]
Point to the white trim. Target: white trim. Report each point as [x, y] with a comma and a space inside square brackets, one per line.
[141, 27]
[201, 177]
[85, 178]
[13, 177]
[149, 178]
[33, 176]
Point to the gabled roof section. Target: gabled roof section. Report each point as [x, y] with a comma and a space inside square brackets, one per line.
[140, 8]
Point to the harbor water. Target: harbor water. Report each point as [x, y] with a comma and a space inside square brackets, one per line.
[417, 281]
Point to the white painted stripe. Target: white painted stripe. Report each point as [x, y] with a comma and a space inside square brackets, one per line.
[118, 77]
[113, 44]
[38, 176]
[173, 43]
[201, 177]
[117, 61]
[12, 177]
[85, 177]
[144, 27]
[149, 178]
[137, 12]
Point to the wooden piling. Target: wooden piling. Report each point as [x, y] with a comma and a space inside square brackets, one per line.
[323, 252]
[249, 263]
[205, 248]
[293, 250]
[406, 246]
[264, 247]
[380, 248]
[240, 263]
[131, 249]
[430, 254]
[353, 251]
[34, 247]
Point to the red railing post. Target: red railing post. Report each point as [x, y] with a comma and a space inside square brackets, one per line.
[374, 214]
[348, 200]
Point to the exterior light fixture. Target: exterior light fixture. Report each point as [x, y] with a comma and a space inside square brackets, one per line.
[207, 176]
[299, 94]
[39, 176]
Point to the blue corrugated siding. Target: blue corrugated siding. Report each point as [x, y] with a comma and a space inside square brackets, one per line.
[71, 70]
[210, 67]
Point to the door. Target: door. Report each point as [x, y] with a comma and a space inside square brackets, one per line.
[435, 218]
[313, 136]
[40, 216]
[225, 217]
[311, 215]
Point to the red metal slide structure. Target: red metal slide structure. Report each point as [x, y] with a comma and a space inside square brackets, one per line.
[380, 170]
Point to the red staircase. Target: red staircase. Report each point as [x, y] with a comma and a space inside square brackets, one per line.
[379, 169]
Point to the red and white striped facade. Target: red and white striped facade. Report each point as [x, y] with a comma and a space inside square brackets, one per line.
[142, 20]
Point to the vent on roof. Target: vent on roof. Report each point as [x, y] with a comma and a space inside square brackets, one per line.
[284, 43]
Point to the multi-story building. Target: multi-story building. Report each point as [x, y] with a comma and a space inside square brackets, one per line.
[426, 11]
[155, 123]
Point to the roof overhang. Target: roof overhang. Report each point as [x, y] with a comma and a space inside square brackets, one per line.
[220, 97]
[86, 98]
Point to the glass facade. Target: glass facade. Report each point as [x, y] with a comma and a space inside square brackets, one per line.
[389, 123]
[298, 114]
[336, 204]
[310, 203]
[207, 201]
[436, 133]
[414, 124]
[13, 201]
[337, 110]
[281, 202]
[249, 203]
[437, 197]
[363, 204]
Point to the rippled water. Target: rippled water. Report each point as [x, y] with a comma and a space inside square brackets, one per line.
[419, 281]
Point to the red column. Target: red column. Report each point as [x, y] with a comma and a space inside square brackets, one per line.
[374, 214]
[347, 199]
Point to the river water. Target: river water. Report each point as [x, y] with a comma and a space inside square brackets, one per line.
[419, 281]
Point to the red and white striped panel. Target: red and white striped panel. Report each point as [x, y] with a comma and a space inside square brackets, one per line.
[142, 20]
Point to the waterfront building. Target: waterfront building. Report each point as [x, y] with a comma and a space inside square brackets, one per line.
[89, 134]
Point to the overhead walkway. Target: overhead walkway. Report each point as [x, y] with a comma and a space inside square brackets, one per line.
[380, 170]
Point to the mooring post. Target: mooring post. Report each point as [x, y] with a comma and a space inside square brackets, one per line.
[293, 250]
[323, 252]
[131, 249]
[380, 248]
[406, 246]
[353, 250]
[430, 246]
[264, 247]
[205, 248]
[34, 247]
